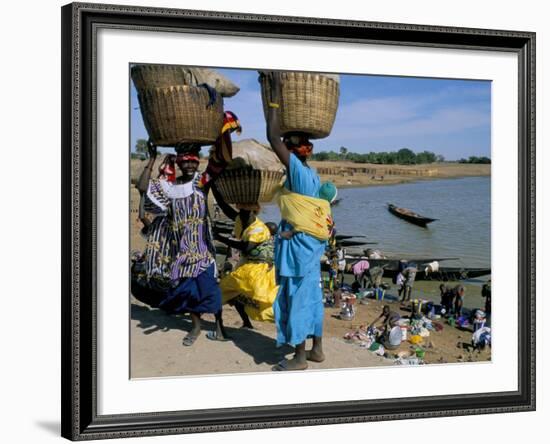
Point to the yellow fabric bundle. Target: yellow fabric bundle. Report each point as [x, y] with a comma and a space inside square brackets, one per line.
[415, 339]
[306, 214]
[252, 284]
[256, 232]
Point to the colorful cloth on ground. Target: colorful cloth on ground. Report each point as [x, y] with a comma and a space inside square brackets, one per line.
[306, 214]
[298, 307]
[253, 282]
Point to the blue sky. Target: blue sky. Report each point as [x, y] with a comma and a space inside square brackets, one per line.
[379, 113]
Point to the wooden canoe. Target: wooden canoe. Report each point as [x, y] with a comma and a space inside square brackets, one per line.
[410, 216]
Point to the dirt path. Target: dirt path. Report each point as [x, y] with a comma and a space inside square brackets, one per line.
[156, 348]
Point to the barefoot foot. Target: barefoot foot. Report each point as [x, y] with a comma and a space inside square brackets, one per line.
[190, 339]
[315, 355]
[290, 365]
[215, 335]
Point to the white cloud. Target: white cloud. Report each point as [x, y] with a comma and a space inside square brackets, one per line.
[392, 122]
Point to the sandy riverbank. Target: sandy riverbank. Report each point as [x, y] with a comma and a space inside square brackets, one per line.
[156, 349]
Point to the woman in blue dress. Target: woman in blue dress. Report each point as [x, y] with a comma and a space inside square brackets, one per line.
[298, 307]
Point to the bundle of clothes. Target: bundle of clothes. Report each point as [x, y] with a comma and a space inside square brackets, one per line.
[366, 337]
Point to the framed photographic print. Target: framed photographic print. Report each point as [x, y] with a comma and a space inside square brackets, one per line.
[277, 221]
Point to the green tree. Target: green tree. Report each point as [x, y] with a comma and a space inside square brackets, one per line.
[405, 156]
[343, 152]
[425, 157]
[321, 155]
[141, 147]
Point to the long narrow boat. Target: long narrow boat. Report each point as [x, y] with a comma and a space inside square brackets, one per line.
[391, 269]
[393, 262]
[410, 216]
[354, 243]
[345, 240]
[444, 273]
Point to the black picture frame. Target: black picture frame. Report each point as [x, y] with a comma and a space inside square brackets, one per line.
[79, 171]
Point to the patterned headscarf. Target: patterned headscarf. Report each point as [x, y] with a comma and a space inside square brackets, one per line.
[187, 152]
[299, 144]
[231, 122]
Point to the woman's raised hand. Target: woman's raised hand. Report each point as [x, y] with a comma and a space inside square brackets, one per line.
[152, 149]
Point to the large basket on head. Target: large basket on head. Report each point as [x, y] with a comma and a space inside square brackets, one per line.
[180, 114]
[248, 186]
[160, 76]
[308, 102]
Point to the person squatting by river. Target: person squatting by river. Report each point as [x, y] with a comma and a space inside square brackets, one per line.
[177, 270]
[298, 307]
[452, 299]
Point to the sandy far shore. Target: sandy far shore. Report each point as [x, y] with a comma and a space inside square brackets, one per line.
[349, 174]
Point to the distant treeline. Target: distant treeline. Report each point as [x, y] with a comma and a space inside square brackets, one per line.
[475, 159]
[404, 156]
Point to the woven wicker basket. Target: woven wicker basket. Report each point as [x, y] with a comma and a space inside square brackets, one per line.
[180, 114]
[248, 186]
[160, 76]
[308, 103]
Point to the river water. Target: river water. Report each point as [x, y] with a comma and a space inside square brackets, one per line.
[463, 231]
[463, 207]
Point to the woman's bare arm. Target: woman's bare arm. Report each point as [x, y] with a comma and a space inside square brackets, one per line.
[243, 246]
[143, 181]
[142, 217]
[225, 207]
[273, 125]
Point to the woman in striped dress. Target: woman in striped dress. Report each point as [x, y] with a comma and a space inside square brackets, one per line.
[177, 270]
